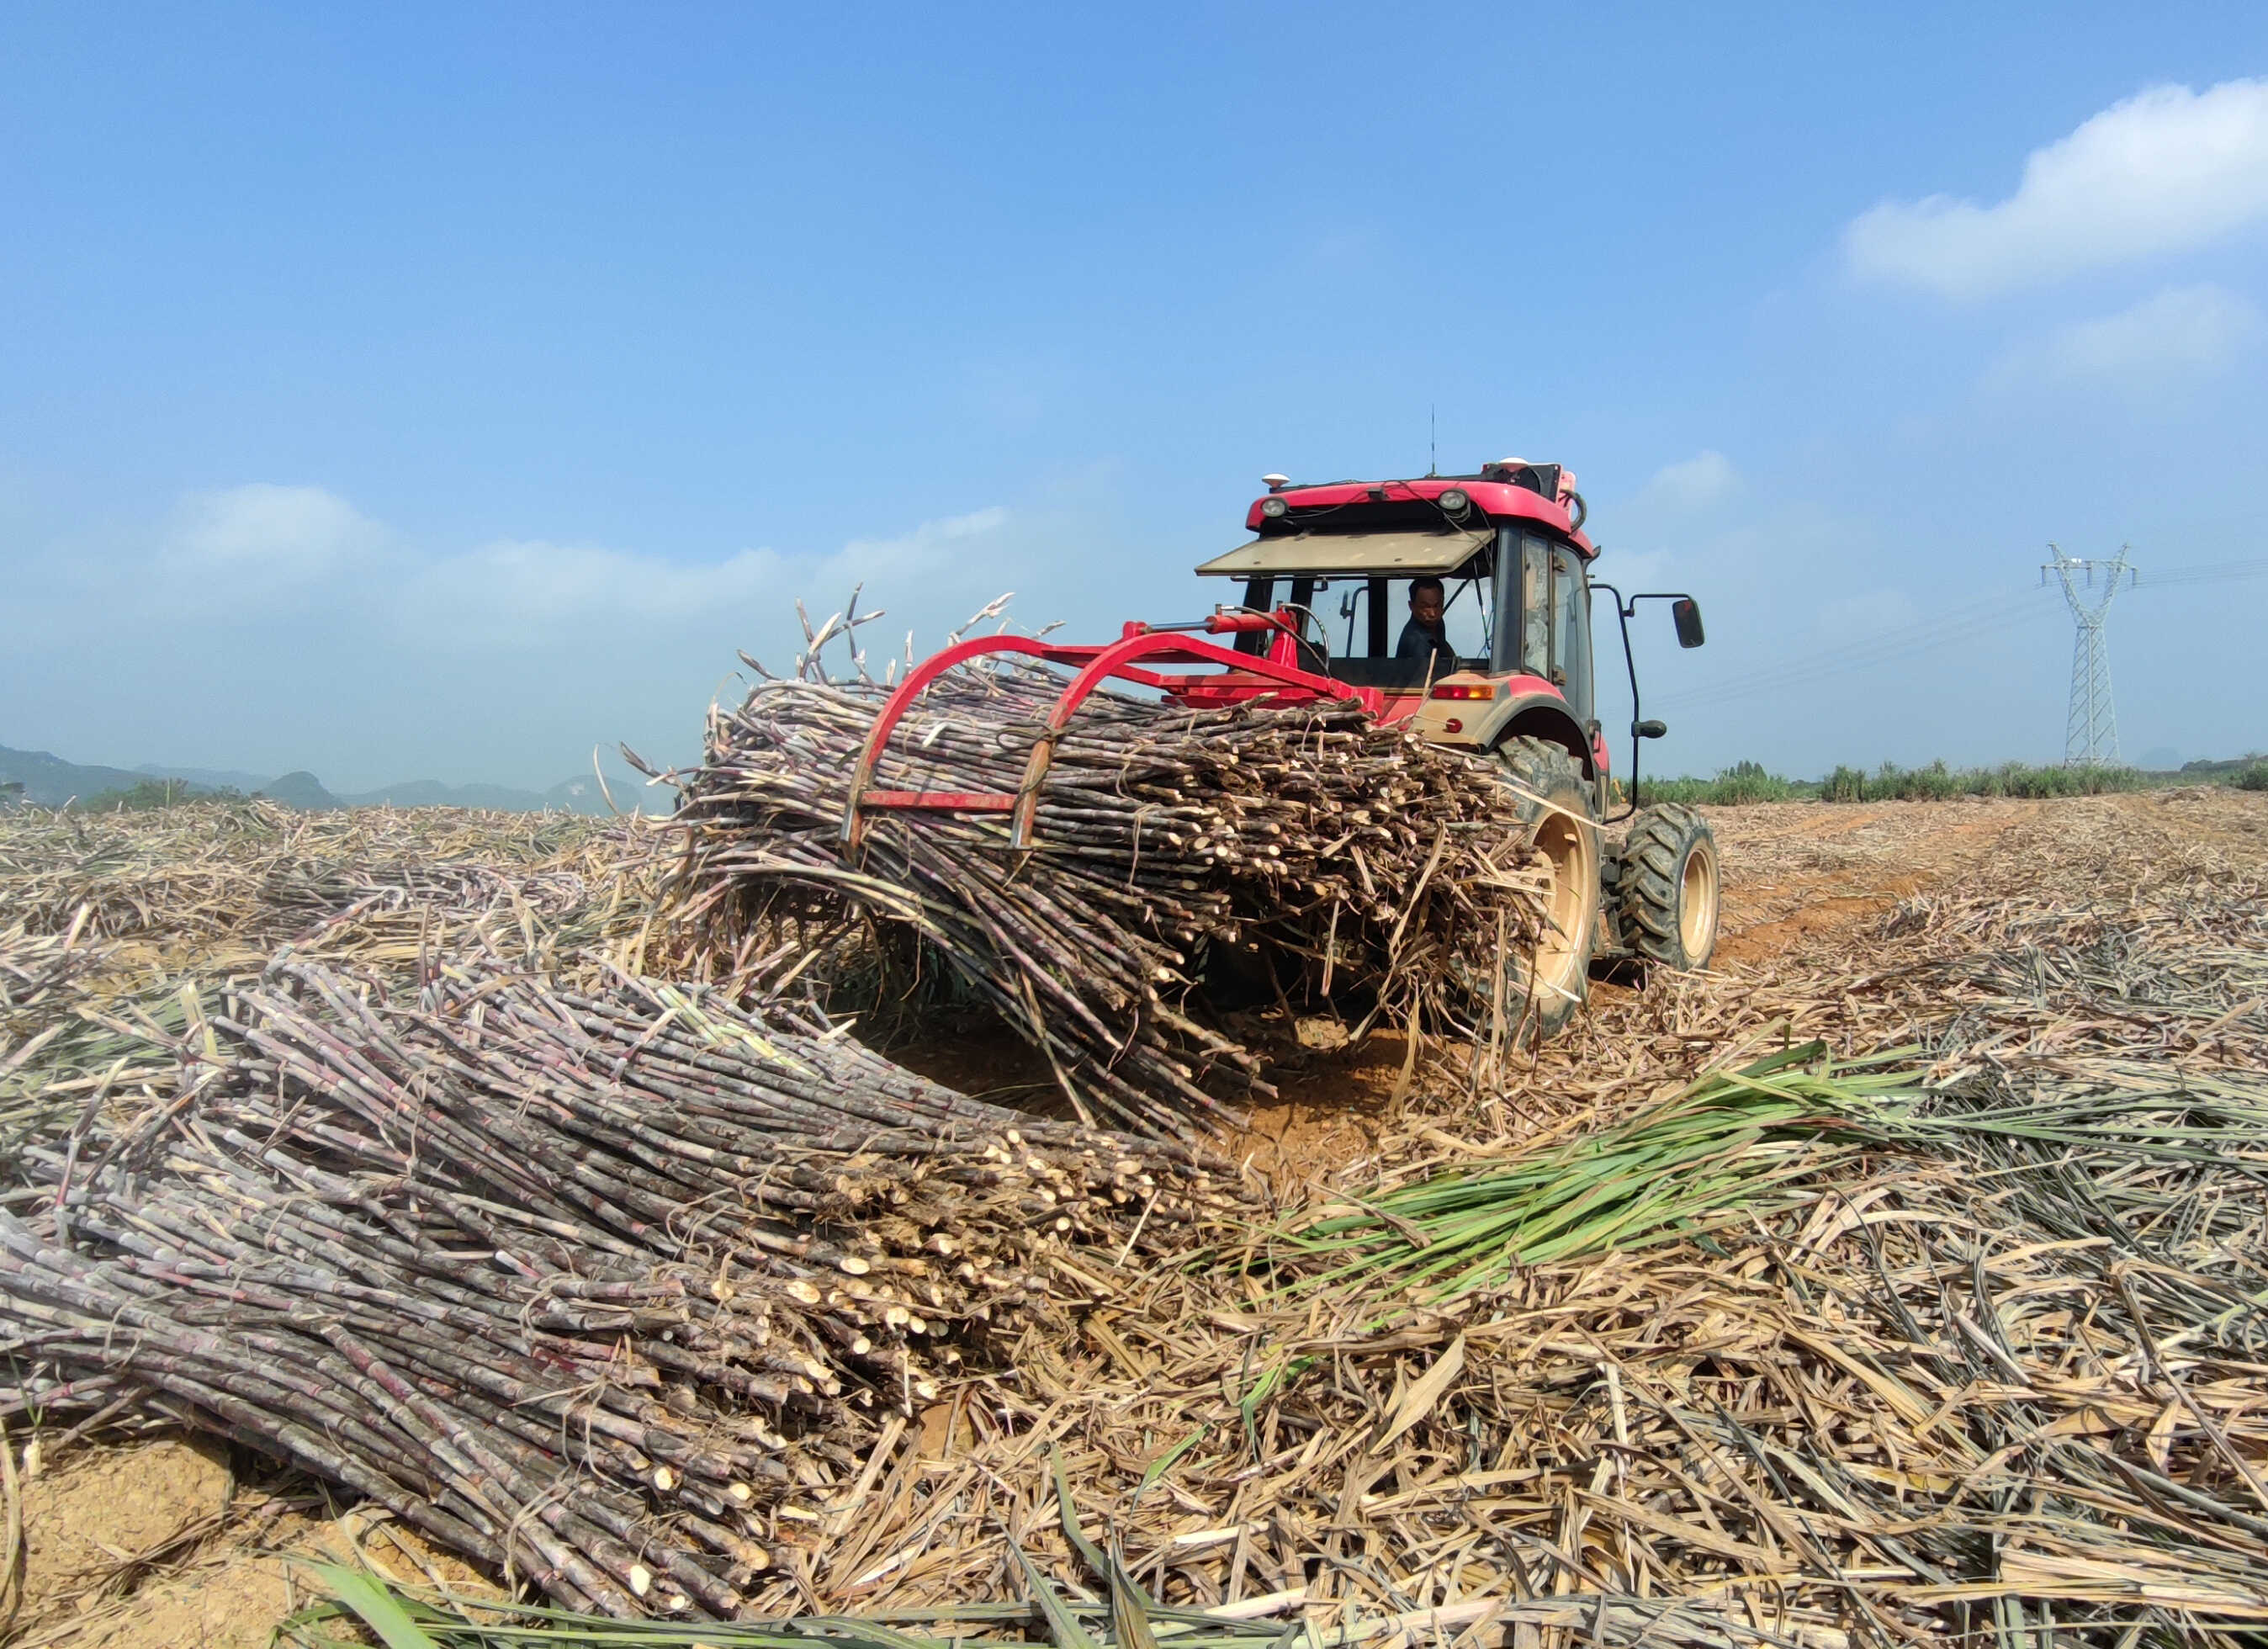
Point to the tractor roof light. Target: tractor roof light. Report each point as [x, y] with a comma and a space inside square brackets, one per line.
[1457, 501]
[1272, 507]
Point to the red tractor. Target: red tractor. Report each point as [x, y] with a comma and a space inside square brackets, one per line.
[1496, 659]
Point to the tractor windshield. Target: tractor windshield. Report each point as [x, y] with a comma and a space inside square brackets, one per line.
[1464, 616]
[1364, 620]
[1538, 584]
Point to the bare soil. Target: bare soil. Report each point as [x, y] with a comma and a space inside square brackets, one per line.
[173, 1542]
[164, 1543]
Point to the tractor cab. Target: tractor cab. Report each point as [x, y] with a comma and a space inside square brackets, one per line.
[1339, 564]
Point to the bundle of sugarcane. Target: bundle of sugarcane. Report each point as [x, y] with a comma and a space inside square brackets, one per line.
[583, 1285]
[1335, 854]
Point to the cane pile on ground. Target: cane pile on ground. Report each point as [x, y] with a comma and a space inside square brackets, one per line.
[1336, 855]
[589, 1286]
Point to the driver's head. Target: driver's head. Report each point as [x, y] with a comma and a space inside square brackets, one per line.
[1425, 601]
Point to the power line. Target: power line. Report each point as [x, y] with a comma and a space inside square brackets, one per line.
[1967, 622]
[2204, 572]
[1890, 647]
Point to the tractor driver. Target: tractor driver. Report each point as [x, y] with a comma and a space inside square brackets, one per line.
[1424, 637]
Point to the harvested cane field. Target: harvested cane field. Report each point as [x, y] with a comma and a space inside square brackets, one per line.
[679, 1224]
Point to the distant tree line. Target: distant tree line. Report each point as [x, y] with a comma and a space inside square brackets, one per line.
[1742, 783]
[1747, 781]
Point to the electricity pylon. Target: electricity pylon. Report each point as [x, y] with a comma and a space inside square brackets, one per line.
[2090, 736]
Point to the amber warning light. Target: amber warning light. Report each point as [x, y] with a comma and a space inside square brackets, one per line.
[1465, 690]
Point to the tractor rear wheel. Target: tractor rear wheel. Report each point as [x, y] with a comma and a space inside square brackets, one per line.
[1666, 896]
[1550, 798]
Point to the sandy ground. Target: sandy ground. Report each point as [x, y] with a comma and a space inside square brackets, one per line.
[164, 1543]
[172, 1543]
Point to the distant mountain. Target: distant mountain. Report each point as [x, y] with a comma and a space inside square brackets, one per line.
[50, 782]
[303, 791]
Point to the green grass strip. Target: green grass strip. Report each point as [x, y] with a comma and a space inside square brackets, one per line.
[1728, 1146]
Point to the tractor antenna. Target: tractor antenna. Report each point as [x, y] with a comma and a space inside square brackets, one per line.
[1433, 443]
[2090, 736]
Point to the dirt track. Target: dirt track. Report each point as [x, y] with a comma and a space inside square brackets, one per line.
[1792, 871]
[164, 1544]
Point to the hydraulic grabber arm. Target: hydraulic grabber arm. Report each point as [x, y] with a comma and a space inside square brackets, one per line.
[1204, 675]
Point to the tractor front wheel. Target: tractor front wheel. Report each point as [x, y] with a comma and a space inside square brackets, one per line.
[1666, 897]
[1552, 801]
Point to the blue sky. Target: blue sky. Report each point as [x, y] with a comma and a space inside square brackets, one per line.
[425, 391]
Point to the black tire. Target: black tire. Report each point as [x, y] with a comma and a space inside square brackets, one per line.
[1665, 902]
[1554, 803]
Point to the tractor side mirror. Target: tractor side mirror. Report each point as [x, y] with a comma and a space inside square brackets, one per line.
[1685, 612]
[1649, 729]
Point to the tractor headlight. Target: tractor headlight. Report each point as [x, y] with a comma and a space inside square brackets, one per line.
[1272, 507]
[1455, 501]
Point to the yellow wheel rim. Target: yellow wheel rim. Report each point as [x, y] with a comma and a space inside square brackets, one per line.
[1571, 850]
[1696, 901]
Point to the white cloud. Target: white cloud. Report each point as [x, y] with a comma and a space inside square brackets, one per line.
[2168, 170]
[265, 530]
[254, 542]
[2183, 332]
[319, 638]
[531, 592]
[526, 588]
[1694, 483]
[949, 538]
